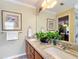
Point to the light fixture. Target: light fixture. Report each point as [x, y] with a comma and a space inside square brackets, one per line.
[48, 4]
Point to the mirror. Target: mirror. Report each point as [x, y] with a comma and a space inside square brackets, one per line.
[63, 27]
[63, 19]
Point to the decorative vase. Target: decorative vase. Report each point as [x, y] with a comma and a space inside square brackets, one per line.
[54, 42]
[44, 40]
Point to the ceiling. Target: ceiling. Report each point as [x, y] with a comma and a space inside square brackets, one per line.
[30, 2]
[67, 5]
[57, 8]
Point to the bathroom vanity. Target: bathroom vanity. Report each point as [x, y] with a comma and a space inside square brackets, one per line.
[31, 52]
[37, 50]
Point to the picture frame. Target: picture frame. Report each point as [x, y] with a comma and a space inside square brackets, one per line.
[11, 21]
[50, 24]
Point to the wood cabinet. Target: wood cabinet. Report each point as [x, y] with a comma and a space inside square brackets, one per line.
[31, 52]
[37, 55]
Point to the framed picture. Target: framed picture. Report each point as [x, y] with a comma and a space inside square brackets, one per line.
[50, 24]
[11, 21]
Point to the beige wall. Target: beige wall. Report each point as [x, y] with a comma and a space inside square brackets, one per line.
[71, 14]
[42, 20]
[11, 48]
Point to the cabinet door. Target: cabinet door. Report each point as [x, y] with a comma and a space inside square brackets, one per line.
[30, 52]
[32, 56]
[26, 49]
[37, 55]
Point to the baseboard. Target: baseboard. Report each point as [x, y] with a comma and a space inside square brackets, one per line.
[12, 57]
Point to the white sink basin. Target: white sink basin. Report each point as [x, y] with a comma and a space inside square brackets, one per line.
[58, 54]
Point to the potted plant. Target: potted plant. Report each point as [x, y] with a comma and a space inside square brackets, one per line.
[50, 36]
[45, 37]
[42, 36]
[56, 37]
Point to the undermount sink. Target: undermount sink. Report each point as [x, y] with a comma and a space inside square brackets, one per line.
[59, 54]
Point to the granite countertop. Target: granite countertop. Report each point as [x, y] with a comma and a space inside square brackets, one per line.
[48, 51]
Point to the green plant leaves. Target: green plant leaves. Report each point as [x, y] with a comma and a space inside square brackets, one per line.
[57, 36]
[48, 35]
[41, 35]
